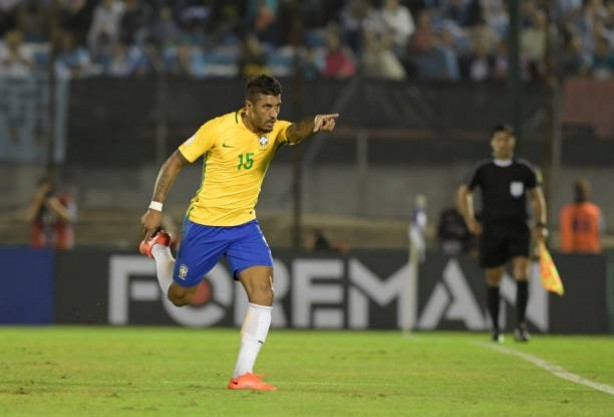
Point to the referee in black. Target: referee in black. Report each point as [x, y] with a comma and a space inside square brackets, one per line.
[504, 234]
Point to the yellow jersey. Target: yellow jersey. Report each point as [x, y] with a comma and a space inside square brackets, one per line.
[235, 161]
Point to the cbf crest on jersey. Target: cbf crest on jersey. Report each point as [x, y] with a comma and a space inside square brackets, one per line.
[183, 271]
[263, 141]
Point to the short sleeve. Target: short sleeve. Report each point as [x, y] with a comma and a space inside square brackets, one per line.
[472, 179]
[534, 177]
[200, 142]
[282, 128]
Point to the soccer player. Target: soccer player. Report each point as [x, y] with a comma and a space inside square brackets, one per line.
[504, 235]
[237, 149]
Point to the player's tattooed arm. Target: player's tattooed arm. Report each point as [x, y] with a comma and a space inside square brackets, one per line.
[309, 127]
[152, 219]
[167, 176]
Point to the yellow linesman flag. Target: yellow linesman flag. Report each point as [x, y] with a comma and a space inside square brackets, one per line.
[551, 280]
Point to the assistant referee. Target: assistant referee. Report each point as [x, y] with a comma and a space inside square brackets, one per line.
[503, 229]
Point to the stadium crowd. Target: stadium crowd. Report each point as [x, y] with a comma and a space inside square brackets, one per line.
[388, 39]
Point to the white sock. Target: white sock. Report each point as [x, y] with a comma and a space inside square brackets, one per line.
[165, 263]
[253, 335]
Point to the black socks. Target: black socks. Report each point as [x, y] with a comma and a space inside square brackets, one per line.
[522, 298]
[493, 299]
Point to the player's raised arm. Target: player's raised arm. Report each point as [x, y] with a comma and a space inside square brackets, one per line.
[309, 127]
[152, 218]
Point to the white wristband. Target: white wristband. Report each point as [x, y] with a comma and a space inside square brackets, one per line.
[154, 205]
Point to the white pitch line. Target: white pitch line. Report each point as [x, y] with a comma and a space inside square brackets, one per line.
[552, 368]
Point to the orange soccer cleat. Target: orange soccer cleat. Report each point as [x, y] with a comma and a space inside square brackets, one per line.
[250, 381]
[160, 238]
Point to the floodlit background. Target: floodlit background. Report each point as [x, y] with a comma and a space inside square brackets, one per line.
[418, 84]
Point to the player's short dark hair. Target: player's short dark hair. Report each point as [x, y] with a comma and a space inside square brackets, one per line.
[581, 190]
[502, 127]
[262, 84]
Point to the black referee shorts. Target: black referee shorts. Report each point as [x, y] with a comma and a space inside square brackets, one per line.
[503, 240]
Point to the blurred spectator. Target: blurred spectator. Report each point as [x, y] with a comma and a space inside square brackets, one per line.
[51, 215]
[252, 60]
[181, 63]
[135, 22]
[15, 58]
[372, 19]
[569, 62]
[262, 18]
[316, 241]
[378, 60]
[72, 61]
[422, 38]
[126, 61]
[464, 13]
[484, 36]
[444, 32]
[453, 234]
[33, 20]
[228, 23]
[311, 63]
[602, 65]
[398, 22]
[194, 18]
[581, 223]
[494, 13]
[500, 65]
[418, 225]
[317, 13]
[104, 31]
[76, 16]
[584, 23]
[357, 16]
[606, 27]
[424, 58]
[533, 44]
[449, 57]
[351, 17]
[7, 14]
[165, 31]
[479, 65]
[565, 10]
[527, 10]
[338, 60]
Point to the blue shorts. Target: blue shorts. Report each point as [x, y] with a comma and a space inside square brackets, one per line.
[202, 247]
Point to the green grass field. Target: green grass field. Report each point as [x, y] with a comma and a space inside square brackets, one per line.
[107, 371]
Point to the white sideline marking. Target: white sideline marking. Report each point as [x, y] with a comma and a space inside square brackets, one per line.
[552, 368]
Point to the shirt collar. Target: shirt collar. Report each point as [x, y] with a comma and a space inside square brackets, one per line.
[502, 162]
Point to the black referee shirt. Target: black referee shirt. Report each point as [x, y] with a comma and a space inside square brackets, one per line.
[503, 188]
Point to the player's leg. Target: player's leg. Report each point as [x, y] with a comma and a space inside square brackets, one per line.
[519, 251]
[201, 249]
[257, 282]
[494, 275]
[181, 296]
[492, 259]
[158, 248]
[251, 262]
[521, 267]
